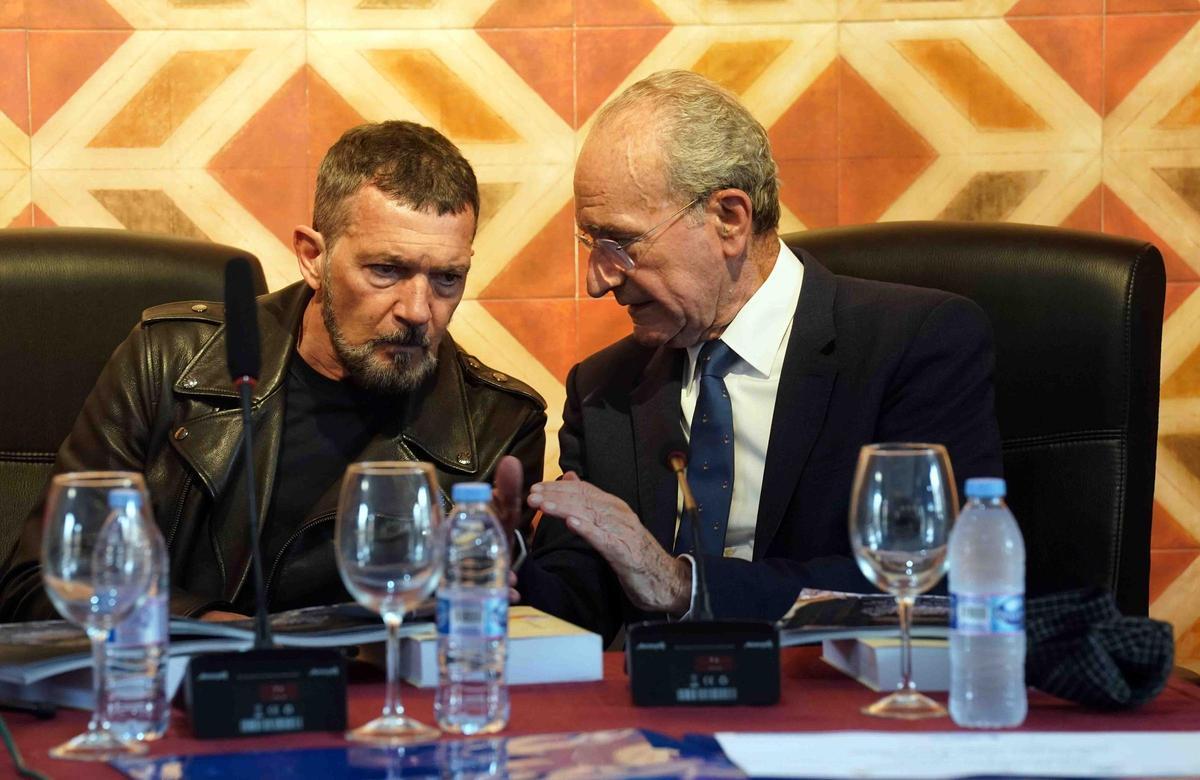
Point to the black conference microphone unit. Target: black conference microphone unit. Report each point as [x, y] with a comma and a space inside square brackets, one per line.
[701, 661]
[265, 690]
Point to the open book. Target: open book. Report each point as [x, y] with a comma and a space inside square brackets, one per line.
[818, 615]
[51, 660]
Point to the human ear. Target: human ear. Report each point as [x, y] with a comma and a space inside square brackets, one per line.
[309, 246]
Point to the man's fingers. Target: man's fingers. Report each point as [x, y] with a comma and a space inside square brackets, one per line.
[514, 597]
[571, 476]
[507, 483]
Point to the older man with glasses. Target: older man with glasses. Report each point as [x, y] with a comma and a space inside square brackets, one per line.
[771, 369]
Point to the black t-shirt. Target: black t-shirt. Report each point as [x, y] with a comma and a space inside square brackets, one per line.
[326, 425]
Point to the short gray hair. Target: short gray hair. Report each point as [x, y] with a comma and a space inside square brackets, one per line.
[710, 141]
[411, 164]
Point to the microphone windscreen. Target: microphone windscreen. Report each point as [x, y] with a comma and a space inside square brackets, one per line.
[672, 451]
[241, 320]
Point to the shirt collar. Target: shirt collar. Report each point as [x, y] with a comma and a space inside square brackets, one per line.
[761, 324]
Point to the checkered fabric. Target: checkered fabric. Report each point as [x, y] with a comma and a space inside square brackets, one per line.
[1081, 648]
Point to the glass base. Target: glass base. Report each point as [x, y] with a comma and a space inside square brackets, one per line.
[393, 730]
[98, 746]
[906, 705]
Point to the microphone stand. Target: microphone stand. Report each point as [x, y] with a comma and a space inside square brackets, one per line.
[262, 626]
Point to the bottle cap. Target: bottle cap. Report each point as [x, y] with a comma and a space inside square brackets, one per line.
[471, 492]
[119, 498]
[986, 487]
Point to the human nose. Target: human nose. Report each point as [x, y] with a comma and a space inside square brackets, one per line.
[412, 303]
[602, 276]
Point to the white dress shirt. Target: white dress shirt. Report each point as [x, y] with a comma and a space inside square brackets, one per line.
[759, 335]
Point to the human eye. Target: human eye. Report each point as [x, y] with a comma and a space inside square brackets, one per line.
[384, 271]
[448, 281]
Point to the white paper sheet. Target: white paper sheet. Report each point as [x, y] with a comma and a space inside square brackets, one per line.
[878, 754]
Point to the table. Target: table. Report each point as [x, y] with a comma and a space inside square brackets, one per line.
[815, 697]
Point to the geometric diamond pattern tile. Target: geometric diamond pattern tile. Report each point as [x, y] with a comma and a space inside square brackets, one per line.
[605, 58]
[1055, 7]
[1168, 534]
[1133, 46]
[625, 13]
[973, 88]
[150, 211]
[74, 15]
[991, 196]
[1086, 215]
[60, 63]
[528, 13]
[209, 118]
[544, 59]
[14, 89]
[1177, 293]
[168, 99]
[1073, 46]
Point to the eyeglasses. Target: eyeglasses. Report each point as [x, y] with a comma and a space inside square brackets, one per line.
[614, 253]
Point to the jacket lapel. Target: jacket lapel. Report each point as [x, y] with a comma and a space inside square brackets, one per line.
[655, 411]
[212, 444]
[809, 372]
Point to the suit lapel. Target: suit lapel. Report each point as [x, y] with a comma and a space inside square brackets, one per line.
[809, 371]
[654, 409]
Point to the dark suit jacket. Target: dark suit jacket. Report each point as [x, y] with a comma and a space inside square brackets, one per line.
[866, 362]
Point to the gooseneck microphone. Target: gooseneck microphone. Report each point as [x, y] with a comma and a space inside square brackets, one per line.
[677, 462]
[266, 689]
[243, 357]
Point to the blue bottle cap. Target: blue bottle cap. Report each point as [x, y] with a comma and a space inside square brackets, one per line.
[986, 487]
[471, 492]
[122, 497]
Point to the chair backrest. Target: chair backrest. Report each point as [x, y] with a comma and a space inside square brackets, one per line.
[1077, 321]
[68, 297]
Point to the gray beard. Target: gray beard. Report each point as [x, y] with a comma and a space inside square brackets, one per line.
[404, 372]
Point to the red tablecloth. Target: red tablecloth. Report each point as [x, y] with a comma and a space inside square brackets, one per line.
[815, 698]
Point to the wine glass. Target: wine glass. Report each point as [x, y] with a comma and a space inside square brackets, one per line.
[96, 564]
[901, 509]
[389, 556]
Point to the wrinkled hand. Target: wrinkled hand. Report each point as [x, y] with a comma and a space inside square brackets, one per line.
[507, 485]
[653, 579]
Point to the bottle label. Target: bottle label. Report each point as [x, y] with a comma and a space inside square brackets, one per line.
[146, 625]
[479, 618]
[987, 613]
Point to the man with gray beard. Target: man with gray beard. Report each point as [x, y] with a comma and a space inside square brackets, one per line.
[357, 364]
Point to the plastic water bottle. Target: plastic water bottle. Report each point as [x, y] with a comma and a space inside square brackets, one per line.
[987, 592]
[472, 617]
[136, 704]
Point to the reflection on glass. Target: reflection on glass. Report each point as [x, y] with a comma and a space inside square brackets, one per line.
[387, 550]
[901, 510]
[96, 564]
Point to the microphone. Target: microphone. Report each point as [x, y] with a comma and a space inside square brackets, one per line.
[243, 357]
[677, 461]
[266, 689]
[242, 353]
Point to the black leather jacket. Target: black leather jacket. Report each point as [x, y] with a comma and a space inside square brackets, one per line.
[164, 406]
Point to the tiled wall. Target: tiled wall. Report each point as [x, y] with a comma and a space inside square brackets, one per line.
[208, 117]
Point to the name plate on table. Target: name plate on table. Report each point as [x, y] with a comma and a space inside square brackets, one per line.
[703, 663]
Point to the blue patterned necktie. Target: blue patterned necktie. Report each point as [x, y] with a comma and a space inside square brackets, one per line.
[710, 451]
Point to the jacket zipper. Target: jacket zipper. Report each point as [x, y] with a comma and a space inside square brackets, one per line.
[283, 550]
[183, 494]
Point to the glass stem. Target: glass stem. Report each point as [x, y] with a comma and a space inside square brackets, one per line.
[99, 721]
[392, 708]
[905, 604]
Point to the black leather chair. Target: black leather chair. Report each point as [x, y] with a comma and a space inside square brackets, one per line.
[1077, 320]
[68, 297]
